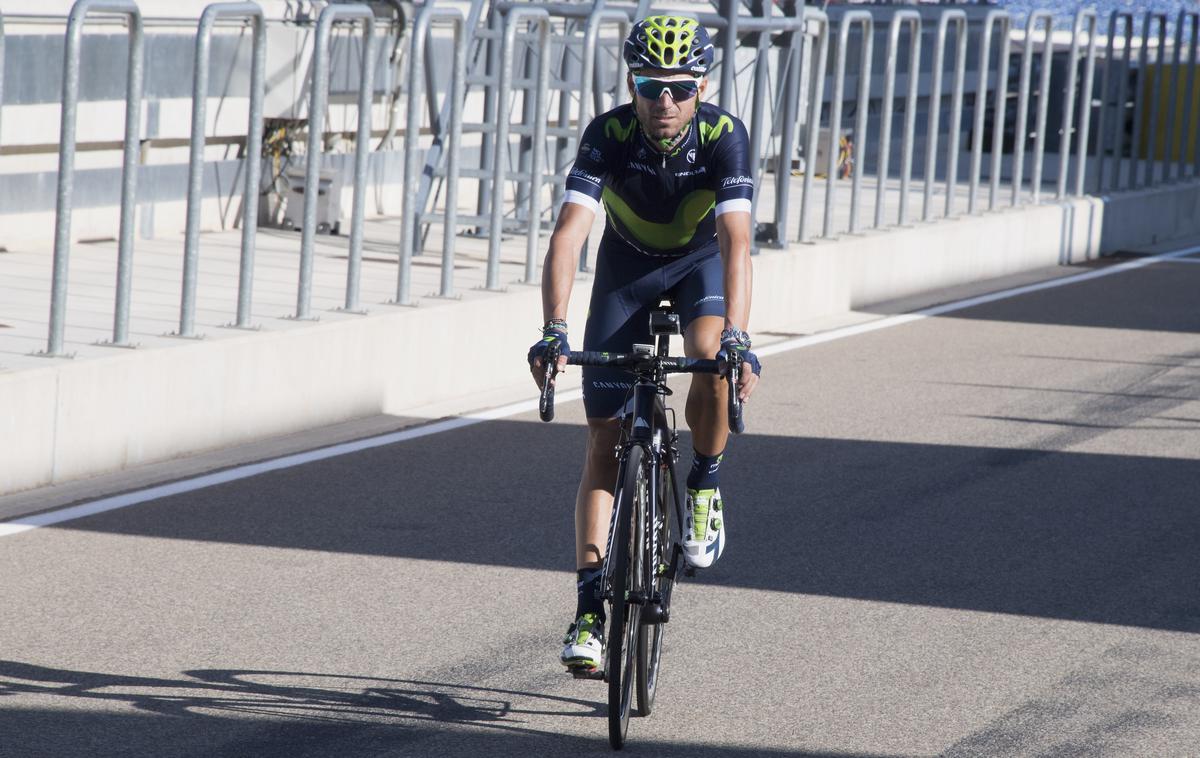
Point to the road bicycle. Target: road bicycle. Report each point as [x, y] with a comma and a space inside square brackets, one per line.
[644, 554]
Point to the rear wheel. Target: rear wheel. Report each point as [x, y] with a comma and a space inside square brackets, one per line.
[663, 555]
[625, 617]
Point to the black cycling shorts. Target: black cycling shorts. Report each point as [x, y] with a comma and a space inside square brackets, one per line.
[628, 285]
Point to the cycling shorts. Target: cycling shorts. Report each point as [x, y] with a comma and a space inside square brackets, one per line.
[628, 285]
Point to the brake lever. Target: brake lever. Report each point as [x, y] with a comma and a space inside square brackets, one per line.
[733, 373]
[549, 371]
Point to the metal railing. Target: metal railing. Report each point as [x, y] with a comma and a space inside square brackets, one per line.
[242, 13]
[797, 87]
[66, 168]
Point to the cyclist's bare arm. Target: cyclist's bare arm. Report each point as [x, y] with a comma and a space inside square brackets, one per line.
[558, 271]
[733, 235]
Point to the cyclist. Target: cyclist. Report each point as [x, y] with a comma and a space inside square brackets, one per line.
[673, 174]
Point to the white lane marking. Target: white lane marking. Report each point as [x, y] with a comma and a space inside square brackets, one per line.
[50, 518]
[103, 505]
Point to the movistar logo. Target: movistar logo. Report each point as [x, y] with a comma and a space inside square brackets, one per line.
[622, 132]
[713, 132]
[664, 236]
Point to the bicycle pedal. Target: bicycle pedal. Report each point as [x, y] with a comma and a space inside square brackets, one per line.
[581, 672]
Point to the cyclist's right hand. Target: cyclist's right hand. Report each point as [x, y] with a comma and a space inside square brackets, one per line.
[553, 341]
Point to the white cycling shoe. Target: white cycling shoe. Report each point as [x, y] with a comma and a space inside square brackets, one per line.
[704, 532]
[583, 647]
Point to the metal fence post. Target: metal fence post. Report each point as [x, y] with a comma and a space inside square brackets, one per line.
[362, 154]
[538, 158]
[726, 100]
[1194, 83]
[816, 95]
[1021, 130]
[1141, 95]
[792, 86]
[959, 19]
[1178, 99]
[762, 64]
[191, 247]
[956, 109]
[835, 118]
[977, 127]
[913, 20]
[66, 167]
[515, 16]
[1000, 103]
[860, 122]
[411, 219]
[318, 99]
[1106, 86]
[1039, 136]
[1, 77]
[1085, 118]
[1069, 91]
[587, 93]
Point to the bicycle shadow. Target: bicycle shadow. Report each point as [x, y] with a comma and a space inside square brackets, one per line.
[218, 712]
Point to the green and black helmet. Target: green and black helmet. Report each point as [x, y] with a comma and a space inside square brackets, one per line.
[674, 43]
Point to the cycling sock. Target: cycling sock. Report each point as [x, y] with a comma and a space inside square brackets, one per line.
[704, 473]
[587, 581]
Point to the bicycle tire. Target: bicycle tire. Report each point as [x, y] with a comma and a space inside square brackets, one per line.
[651, 635]
[624, 617]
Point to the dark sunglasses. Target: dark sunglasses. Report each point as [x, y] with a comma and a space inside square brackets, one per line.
[652, 89]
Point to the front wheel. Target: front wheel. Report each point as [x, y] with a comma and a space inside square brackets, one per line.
[664, 555]
[625, 617]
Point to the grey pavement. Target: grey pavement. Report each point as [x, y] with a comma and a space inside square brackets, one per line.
[970, 535]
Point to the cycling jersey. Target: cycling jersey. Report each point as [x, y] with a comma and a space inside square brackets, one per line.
[663, 205]
[661, 235]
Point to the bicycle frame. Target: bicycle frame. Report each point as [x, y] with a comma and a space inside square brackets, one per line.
[647, 426]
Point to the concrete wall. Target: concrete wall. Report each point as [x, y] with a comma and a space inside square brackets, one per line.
[1150, 216]
[84, 417]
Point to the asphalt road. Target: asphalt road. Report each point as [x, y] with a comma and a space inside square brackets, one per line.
[969, 535]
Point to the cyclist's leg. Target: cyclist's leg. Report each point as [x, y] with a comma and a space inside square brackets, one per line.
[617, 318]
[700, 301]
[701, 306]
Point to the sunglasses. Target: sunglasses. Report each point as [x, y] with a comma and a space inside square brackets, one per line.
[652, 89]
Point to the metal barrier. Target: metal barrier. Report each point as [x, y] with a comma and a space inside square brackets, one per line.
[852, 18]
[912, 19]
[1, 77]
[1181, 96]
[412, 212]
[783, 94]
[589, 95]
[66, 168]
[1155, 106]
[959, 19]
[1023, 104]
[791, 114]
[991, 21]
[316, 124]
[1122, 78]
[1085, 116]
[816, 93]
[515, 17]
[242, 12]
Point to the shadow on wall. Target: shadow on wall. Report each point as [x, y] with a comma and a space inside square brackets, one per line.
[294, 715]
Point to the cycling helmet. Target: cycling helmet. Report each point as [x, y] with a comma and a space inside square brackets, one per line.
[674, 43]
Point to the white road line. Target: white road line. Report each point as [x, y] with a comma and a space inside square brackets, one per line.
[103, 505]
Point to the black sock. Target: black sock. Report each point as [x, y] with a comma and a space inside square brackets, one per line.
[705, 469]
[587, 582]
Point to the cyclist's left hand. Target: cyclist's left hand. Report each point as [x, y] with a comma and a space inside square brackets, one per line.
[748, 379]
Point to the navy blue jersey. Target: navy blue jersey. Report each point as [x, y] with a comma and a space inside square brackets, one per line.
[663, 205]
